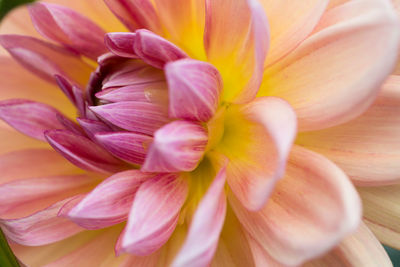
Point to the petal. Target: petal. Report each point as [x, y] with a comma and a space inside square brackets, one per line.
[40, 228]
[205, 229]
[69, 28]
[155, 50]
[121, 43]
[82, 152]
[154, 213]
[136, 14]
[109, 203]
[139, 117]
[360, 249]
[315, 83]
[45, 59]
[290, 23]
[127, 146]
[367, 148]
[74, 94]
[269, 126]
[382, 213]
[177, 146]
[92, 127]
[194, 89]
[311, 210]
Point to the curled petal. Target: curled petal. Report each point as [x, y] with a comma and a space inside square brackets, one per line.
[154, 213]
[177, 146]
[82, 152]
[109, 203]
[204, 231]
[311, 210]
[69, 28]
[194, 89]
[121, 43]
[155, 50]
[30, 118]
[127, 146]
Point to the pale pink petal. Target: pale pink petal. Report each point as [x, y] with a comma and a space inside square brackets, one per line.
[155, 50]
[127, 146]
[194, 89]
[82, 152]
[45, 59]
[109, 203]
[367, 148]
[30, 118]
[343, 64]
[261, 256]
[269, 127]
[359, 249]
[205, 228]
[312, 209]
[121, 43]
[177, 146]
[69, 28]
[40, 228]
[136, 14]
[154, 213]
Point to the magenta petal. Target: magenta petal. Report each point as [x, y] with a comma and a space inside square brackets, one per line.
[154, 213]
[70, 125]
[177, 146]
[138, 117]
[127, 146]
[109, 203]
[203, 236]
[155, 50]
[136, 14]
[69, 28]
[92, 127]
[82, 152]
[29, 117]
[74, 94]
[121, 43]
[194, 89]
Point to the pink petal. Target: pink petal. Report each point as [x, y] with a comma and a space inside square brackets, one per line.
[136, 14]
[127, 146]
[269, 127]
[121, 43]
[194, 89]
[154, 213]
[82, 152]
[109, 203]
[202, 239]
[367, 148]
[69, 124]
[155, 50]
[69, 28]
[30, 118]
[139, 117]
[45, 59]
[92, 127]
[363, 36]
[177, 146]
[312, 209]
[74, 94]
[40, 228]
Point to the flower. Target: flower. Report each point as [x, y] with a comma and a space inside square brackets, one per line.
[213, 132]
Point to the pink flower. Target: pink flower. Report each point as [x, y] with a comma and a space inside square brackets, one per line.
[218, 133]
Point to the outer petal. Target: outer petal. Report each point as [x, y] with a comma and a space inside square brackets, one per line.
[68, 28]
[269, 126]
[121, 43]
[177, 146]
[30, 118]
[381, 212]
[109, 202]
[367, 148]
[45, 59]
[360, 249]
[315, 83]
[311, 210]
[154, 213]
[82, 152]
[194, 89]
[205, 229]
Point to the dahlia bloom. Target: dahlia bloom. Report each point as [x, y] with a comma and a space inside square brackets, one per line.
[197, 133]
